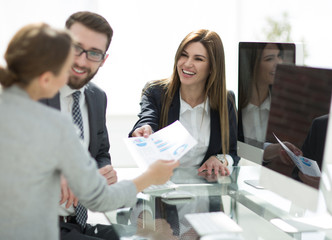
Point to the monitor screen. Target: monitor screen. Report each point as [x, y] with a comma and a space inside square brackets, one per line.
[257, 67]
[299, 112]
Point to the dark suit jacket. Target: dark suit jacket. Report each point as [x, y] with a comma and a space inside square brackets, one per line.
[150, 114]
[313, 146]
[240, 134]
[97, 101]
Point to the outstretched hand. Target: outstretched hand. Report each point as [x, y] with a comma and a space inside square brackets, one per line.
[144, 131]
[161, 170]
[158, 173]
[275, 152]
[284, 156]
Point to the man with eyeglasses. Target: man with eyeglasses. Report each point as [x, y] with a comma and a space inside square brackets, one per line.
[92, 35]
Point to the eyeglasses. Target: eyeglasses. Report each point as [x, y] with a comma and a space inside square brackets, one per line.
[90, 55]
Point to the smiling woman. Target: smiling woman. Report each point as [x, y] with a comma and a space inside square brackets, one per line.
[196, 95]
[193, 67]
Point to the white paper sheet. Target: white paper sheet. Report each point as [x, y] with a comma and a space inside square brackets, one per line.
[307, 166]
[171, 142]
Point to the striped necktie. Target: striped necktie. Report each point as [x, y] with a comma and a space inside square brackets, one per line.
[81, 211]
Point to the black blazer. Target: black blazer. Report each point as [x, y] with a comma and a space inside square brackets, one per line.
[150, 114]
[313, 146]
[97, 101]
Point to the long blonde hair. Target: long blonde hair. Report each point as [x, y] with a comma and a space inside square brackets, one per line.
[215, 88]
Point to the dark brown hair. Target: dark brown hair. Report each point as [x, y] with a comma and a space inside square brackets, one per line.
[34, 49]
[92, 21]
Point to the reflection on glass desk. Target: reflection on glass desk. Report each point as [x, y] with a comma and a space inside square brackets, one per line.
[154, 217]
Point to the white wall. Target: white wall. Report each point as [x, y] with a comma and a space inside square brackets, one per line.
[118, 128]
[148, 32]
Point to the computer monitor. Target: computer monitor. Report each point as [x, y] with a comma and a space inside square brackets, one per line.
[326, 179]
[256, 71]
[300, 106]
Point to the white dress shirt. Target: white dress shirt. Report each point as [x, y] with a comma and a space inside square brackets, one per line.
[197, 122]
[255, 119]
[66, 105]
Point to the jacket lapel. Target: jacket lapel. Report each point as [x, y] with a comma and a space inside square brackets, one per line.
[91, 115]
[214, 144]
[174, 110]
[53, 102]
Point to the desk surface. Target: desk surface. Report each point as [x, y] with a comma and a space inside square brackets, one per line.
[252, 209]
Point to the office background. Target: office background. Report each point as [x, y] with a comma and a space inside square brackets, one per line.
[148, 32]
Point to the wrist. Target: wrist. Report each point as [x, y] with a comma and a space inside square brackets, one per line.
[143, 181]
[222, 159]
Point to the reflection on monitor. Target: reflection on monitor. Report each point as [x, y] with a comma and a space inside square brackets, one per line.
[257, 66]
[299, 112]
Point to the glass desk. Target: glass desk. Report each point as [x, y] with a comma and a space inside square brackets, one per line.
[252, 209]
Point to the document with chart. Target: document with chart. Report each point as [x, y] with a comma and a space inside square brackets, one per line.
[306, 165]
[171, 142]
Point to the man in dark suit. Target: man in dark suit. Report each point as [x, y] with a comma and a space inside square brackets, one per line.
[92, 36]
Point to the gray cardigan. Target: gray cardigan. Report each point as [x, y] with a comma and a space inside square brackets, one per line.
[37, 144]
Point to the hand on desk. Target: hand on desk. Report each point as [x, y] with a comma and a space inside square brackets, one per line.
[144, 131]
[213, 164]
[208, 177]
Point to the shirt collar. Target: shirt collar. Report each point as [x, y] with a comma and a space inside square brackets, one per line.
[66, 91]
[185, 106]
[266, 105]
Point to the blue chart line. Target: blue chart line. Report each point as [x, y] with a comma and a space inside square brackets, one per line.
[165, 148]
[162, 145]
[180, 149]
[305, 161]
[158, 141]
